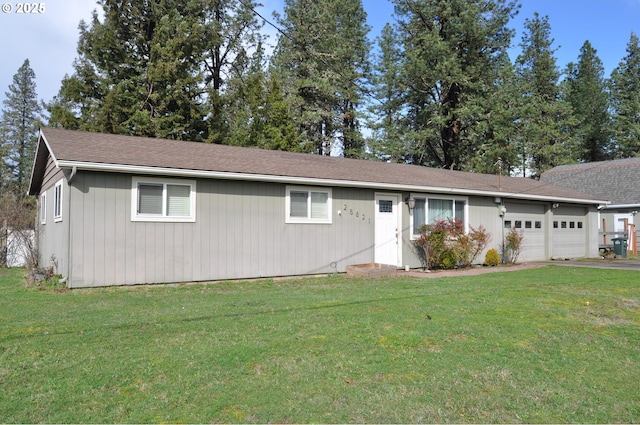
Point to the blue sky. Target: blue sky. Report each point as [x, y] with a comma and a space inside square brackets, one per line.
[49, 39]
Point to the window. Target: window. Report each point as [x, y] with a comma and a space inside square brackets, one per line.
[538, 225]
[527, 224]
[429, 210]
[518, 224]
[579, 224]
[555, 224]
[163, 200]
[507, 224]
[43, 208]
[308, 205]
[57, 201]
[385, 206]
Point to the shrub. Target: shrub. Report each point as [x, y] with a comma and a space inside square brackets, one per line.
[448, 260]
[512, 246]
[444, 244]
[492, 258]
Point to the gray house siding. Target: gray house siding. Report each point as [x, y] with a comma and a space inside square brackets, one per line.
[239, 232]
[52, 240]
[53, 243]
[52, 174]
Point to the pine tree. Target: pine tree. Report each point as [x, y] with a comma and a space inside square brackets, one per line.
[387, 142]
[625, 96]
[496, 151]
[450, 49]
[21, 119]
[156, 68]
[544, 136]
[585, 91]
[230, 31]
[322, 62]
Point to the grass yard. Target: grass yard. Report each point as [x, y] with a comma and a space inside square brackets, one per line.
[546, 345]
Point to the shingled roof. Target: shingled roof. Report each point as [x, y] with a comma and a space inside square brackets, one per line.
[617, 181]
[142, 155]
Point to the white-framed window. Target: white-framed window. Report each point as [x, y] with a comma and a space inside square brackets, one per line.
[57, 201]
[168, 200]
[43, 208]
[308, 205]
[429, 209]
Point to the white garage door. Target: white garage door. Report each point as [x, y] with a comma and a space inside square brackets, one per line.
[569, 232]
[528, 219]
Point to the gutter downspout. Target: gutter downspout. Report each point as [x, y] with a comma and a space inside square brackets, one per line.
[74, 170]
[66, 279]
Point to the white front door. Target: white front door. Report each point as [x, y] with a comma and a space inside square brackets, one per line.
[387, 230]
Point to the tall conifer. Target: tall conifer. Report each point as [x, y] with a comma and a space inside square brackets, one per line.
[21, 119]
[625, 96]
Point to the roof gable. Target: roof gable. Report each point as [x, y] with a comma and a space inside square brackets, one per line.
[118, 153]
[617, 181]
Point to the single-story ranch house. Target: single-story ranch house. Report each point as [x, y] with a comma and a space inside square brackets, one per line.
[122, 210]
[617, 181]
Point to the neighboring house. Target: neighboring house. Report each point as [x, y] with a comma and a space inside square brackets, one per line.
[122, 210]
[617, 181]
[16, 247]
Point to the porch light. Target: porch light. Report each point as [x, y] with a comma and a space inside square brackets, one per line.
[411, 203]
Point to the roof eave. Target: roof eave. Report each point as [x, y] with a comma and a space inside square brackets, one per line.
[121, 168]
[614, 206]
[39, 157]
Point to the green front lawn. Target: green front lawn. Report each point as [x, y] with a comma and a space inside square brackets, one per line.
[553, 344]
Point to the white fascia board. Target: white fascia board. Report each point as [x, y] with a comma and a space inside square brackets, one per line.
[135, 169]
[622, 206]
[35, 156]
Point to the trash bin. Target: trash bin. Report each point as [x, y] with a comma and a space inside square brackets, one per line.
[620, 246]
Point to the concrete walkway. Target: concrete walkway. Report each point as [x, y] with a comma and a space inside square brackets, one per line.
[619, 264]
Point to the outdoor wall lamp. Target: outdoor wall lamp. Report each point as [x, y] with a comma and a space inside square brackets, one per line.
[554, 206]
[503, 211]
[411, 203]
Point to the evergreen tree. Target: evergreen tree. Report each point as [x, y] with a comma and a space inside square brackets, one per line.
[229, 31]
[387, 142]
[496, 151]
[322, 62]
[257, 112]
[625, 96]
[451, 49]
[544, 137]
[585, 90]
[21, 119]
[155, 68]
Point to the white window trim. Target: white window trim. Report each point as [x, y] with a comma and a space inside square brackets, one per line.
[58, 196]
[426, 197]
[43, 208]
[135, 216]
[294, 220]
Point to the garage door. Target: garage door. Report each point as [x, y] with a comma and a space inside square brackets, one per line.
[569, 232]
[528, 219]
